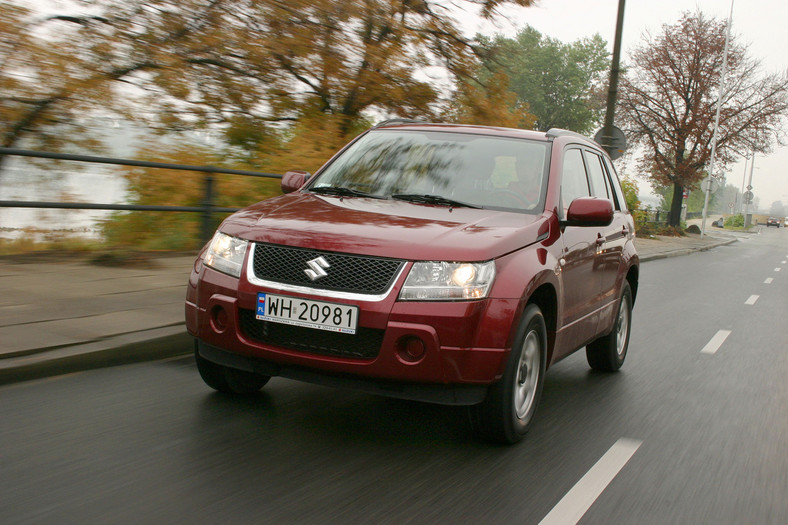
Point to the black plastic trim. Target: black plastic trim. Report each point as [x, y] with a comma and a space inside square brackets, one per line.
[453, 394]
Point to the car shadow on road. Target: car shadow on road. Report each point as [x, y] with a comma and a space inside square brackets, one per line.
[287, 411]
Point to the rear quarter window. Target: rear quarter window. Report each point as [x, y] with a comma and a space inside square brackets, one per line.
[619, 201]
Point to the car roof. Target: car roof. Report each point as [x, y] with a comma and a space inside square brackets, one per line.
[549, 136]
[462, 128]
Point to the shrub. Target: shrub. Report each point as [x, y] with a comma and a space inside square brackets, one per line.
[735, 221]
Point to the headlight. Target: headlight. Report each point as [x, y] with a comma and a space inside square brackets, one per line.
[226, 254]
[442, 281]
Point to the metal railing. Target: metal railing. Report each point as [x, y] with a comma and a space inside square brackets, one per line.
[207, 207]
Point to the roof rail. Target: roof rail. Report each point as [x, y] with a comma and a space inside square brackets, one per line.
[400, 121]
[558, 132]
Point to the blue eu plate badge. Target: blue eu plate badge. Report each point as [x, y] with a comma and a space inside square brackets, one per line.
[260, 305]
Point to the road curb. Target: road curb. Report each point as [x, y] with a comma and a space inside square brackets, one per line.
[154, 344]
[145, 345]
[685, 251]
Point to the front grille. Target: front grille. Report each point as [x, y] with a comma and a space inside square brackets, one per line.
[345, 273]
[364, 344]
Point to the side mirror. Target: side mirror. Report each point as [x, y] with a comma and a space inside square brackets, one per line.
[589, 211]
[293, 180]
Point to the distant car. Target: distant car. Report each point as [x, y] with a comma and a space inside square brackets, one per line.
[443, 263]
[773, 221]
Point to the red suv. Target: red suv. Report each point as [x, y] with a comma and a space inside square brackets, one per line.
[444, 263]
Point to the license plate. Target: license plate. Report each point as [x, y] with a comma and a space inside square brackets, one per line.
[333, 317]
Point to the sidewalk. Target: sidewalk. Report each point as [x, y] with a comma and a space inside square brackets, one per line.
[65, 315]
[61, 316]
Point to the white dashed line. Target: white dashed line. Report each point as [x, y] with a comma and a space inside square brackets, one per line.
[751, 300]
[579, 499]
[716, 342]
[768, 280]
[777, 269]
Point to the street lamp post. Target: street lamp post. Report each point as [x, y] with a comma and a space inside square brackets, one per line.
[717, 120]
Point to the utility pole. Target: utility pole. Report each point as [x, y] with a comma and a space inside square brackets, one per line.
[612, 88]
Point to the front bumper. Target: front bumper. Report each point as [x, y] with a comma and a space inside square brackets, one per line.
[427, 346]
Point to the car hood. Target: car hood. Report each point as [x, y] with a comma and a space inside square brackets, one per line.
[386, 228]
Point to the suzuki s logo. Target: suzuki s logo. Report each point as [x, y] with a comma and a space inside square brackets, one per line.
[317, 268]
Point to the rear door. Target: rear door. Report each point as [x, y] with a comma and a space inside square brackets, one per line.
[611, 238]
[579, 270]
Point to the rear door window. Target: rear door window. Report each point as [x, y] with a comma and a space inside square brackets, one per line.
[600, 186]
[574, 181]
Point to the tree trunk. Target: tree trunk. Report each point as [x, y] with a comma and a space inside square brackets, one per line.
[675, 206]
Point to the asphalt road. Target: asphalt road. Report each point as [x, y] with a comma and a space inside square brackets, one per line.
[698, 419]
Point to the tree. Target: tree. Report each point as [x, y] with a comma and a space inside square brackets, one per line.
[668, 100]
[724, 197]
[246, 67]
[695, 199]
[777, 209]
[562, 84]
[284, 61]
[488, 103]
[178, 231]
[630, 188]
[43, 82]
[57, 70]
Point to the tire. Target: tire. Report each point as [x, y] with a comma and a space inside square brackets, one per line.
[229, 380]
[506, 413]
[607, 353]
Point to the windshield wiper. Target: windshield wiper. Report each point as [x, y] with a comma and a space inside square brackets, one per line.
[341, 191]
[432, 199]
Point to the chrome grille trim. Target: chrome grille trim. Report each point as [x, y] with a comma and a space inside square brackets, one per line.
[322, 292]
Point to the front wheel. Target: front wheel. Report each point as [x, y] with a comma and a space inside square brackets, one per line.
[506, 413]
[229, 380]
[607, 353]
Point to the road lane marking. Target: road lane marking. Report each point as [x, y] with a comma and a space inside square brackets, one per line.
[579, 499]
[716, 342]
[777, 269]
[768, 280]
[751, 300]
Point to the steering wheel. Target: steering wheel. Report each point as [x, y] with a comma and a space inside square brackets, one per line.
[515, 197]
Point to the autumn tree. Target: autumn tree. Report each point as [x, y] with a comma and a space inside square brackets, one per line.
[286, 83]
[243, 67]
[286, 61]
[488, 102]
[60, 65]
[668, 100]
[43, 83]
[561, 83]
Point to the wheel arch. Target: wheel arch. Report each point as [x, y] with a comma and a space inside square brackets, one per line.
[633, 274]
[546, 298]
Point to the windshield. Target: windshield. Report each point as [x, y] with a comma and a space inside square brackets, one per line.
[441, 168]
